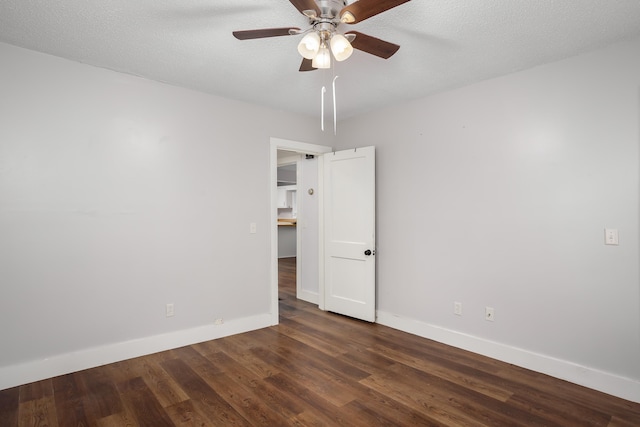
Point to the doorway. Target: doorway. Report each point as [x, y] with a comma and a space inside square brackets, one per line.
[308, 209]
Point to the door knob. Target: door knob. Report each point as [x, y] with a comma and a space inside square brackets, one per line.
[368, 252]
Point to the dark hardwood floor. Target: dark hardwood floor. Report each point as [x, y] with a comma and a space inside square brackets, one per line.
[315, 369]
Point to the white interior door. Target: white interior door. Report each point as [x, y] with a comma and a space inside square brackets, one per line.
[349, 233]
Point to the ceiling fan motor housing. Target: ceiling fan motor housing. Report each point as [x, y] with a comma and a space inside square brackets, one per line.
[327, 23]
[330, 9]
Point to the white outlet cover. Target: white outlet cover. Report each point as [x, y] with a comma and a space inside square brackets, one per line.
[457, 308]
[611, 236]
[489, 314]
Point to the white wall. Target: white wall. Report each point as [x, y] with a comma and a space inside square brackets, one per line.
[115, 200]
[287, 174]
[286, 241]
[497, 194]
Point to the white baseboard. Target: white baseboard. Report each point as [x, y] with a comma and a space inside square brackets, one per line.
[308, 296]
[24, 373]
[605, 382]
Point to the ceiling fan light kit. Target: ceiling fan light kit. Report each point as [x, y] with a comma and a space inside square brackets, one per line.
[340, 47]
[309, 45]
[323, 58]
[314, 46]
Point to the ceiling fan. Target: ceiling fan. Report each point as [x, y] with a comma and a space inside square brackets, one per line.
[322, 38]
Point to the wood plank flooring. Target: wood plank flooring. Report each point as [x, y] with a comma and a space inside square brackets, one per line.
[314, 369]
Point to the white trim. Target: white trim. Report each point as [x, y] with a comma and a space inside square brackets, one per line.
[300, 293]
[308, 296]
[303, 148]
[321, 289]
[606, 382]
[37, 370]
[273, 227]
[300, 147]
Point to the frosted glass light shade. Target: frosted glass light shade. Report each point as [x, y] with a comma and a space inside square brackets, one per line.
[341, 47]
[309, 45]
[323, 58]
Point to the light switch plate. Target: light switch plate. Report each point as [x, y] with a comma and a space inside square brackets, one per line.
[610, 236]
[253, 228]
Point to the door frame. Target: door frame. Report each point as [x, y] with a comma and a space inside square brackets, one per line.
[301, 148]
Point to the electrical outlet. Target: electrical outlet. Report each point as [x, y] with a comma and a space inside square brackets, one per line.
[169, 310]
[218, 321]
[489, 314]
[611, 236]
[457, 308]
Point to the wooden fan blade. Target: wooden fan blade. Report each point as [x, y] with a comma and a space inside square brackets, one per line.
[265, 32]
[364, 9]
[303, 5]
[373, 45]
[306, 65]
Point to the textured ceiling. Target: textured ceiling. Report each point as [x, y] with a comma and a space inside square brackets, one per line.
[444, 44]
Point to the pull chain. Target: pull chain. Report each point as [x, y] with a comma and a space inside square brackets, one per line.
[322, 93]
[335, 121]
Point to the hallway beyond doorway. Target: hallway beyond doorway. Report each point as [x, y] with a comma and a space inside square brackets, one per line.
[287, 278]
